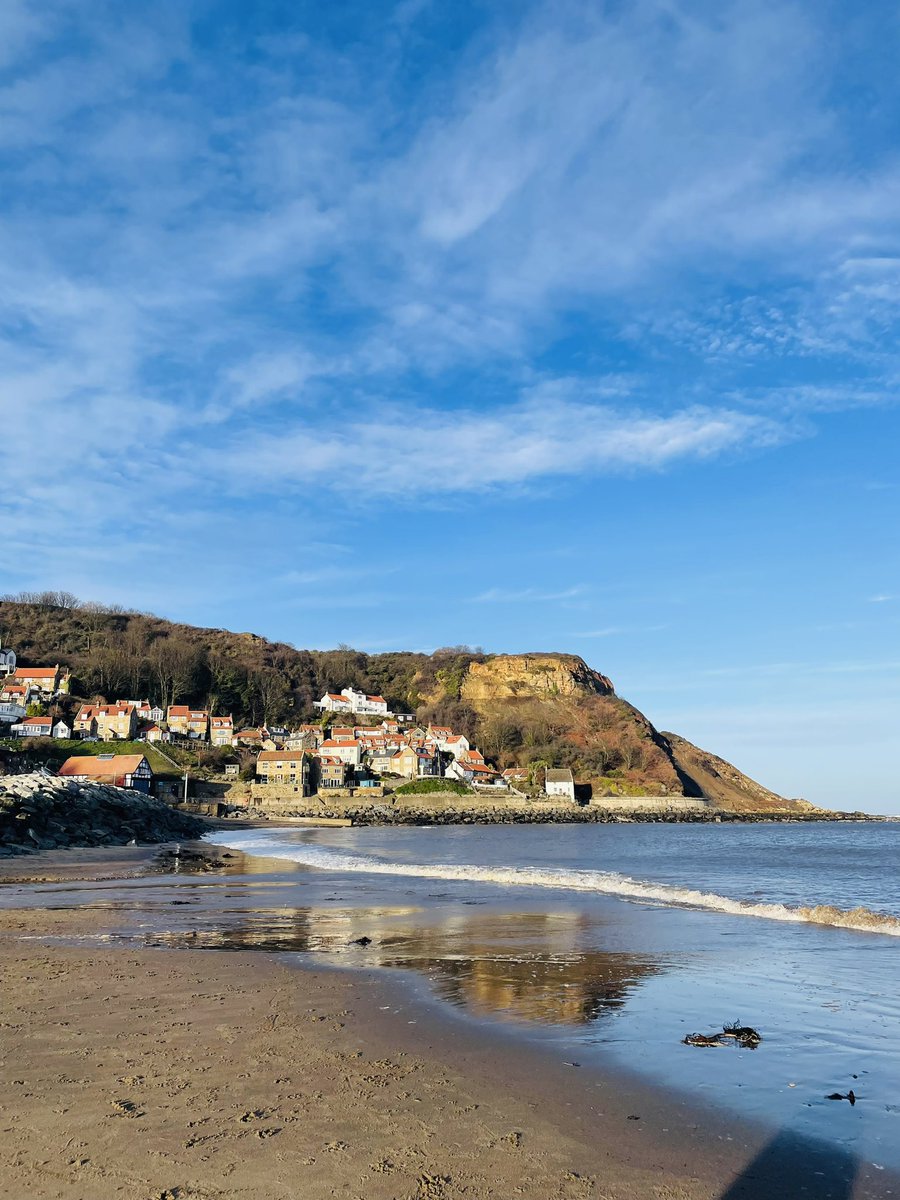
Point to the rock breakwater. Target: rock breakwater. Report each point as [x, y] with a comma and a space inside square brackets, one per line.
[41, 812]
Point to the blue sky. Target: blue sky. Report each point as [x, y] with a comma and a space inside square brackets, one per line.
[566, 326]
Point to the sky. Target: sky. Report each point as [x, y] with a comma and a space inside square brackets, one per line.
[566, 326]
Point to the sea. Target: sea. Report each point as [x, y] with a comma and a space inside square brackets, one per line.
[607, 944]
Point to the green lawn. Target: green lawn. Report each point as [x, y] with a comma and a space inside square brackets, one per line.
[53, 752]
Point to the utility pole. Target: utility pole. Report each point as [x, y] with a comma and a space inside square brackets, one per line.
[185, 784]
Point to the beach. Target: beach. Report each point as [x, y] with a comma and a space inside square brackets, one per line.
[147, 1073]
[193, 1074]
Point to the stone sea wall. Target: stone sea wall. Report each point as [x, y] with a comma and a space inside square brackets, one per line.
[41, 812]
[268, 800]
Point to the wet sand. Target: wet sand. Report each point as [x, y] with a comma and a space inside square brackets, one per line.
[173, 1074]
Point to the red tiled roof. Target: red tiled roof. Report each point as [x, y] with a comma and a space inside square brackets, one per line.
[35, 672]
[280, 756]
[90, 764]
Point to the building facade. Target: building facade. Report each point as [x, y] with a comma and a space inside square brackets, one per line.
[349, 700]
[291, 767]
[188, 722]
[48, 681]
[120, 770]
[559, 782]
[221, 731]
[107, 722]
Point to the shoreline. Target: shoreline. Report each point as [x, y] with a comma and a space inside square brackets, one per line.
[212, 1074]
[254, 1077]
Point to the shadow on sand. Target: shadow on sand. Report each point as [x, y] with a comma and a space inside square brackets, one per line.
[797, 1168]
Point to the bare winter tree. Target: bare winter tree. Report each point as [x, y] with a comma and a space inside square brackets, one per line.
[174, 663]
[47, 600]
[273, 691]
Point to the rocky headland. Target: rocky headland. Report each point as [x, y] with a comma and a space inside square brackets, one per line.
[533, 711]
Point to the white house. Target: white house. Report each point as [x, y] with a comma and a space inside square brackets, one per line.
[470, 769]
[33, 727]
[11, 712]
[62, 731]
[350, 700]
[348, 752]
[151, 713]
[559, 782]
[333, 702]
[457, 745]
[373, 706]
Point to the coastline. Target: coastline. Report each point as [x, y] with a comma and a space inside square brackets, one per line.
[189, 1073]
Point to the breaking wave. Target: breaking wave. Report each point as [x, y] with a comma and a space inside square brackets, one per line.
[609, 883]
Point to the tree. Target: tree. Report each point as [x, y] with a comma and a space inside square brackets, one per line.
[499, 735]
[175, 664]
[135, 642]
[274, 694]
[44, 600]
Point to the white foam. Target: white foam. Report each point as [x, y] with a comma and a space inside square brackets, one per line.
[609, 883]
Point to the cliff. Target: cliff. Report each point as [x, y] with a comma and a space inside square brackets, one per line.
[538, 676]
[556, 710]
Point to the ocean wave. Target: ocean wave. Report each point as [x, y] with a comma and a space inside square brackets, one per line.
[608, 883]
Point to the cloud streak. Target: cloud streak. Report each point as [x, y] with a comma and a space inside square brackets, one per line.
[420, 452]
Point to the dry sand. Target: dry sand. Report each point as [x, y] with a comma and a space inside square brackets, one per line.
[175, 1074]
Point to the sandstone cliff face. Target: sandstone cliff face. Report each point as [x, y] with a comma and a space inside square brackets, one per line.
[541, 676]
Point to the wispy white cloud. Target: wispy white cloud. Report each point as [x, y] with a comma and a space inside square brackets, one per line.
[498, 595]
[619, 631]
[411, 452]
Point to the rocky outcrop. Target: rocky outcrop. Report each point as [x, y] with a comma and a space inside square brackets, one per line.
[41, 812]
[541, 676]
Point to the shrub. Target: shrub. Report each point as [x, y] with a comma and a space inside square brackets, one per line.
[416, 787]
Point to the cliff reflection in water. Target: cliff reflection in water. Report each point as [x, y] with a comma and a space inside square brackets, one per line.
[527, 967]
[522, 966]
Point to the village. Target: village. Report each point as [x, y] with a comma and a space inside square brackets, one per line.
[358, 745]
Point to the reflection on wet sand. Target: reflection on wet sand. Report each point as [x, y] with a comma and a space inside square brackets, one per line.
[527, 967]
